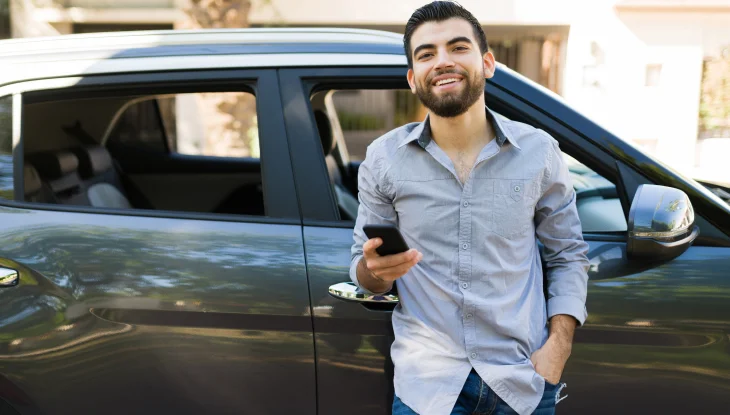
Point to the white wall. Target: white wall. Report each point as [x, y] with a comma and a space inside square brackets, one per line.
[666, 114]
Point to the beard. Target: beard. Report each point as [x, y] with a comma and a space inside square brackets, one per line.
[451, 104]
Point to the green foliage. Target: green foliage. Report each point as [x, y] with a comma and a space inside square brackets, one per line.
[715, 97]
[351, 121]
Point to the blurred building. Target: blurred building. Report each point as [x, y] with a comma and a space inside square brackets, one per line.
[635, 66]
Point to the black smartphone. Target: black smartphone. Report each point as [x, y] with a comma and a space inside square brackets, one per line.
[393, 242]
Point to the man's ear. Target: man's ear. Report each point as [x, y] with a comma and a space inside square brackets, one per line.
[411, 80]
[490, 64]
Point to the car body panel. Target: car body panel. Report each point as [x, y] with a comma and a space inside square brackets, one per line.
[657, 338]
[354, 370]
[124, 314]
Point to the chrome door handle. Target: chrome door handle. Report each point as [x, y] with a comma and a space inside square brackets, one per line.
[8, 277]
[350, 292]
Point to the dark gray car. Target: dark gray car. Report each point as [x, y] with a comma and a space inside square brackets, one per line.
[143, 271]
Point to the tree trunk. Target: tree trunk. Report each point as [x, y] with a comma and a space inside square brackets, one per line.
[229, 119]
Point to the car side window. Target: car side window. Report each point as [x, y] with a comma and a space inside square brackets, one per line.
[597, 200]
[6, 148]
[137, 166]
[219, 124]
[349, 120]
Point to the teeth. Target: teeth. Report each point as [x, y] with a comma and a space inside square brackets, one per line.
[446, 81]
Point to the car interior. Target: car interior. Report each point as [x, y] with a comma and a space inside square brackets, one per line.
[114, 153]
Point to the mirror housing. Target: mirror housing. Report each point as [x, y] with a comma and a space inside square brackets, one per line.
[661, 223]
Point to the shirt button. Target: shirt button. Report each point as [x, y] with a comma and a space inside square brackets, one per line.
[517, 188]
[473, 355]
[465, 246]
[465, 285]
[469, 315]
[466, 204]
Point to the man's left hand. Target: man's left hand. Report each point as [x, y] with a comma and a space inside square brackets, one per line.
[550, 359]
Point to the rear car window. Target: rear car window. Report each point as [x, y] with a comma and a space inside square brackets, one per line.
[121, 151]
[217, 124]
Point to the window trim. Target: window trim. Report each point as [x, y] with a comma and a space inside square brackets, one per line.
[277, 178]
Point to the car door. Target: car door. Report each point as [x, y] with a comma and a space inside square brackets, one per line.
[148, 311]
[653, 325]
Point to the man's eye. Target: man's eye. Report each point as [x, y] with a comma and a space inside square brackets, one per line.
[425, 55]
[460, 48]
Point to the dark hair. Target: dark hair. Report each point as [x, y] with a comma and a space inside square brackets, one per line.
[438, 11]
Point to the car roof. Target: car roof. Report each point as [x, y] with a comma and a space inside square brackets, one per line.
[119, 52]
[114, 41]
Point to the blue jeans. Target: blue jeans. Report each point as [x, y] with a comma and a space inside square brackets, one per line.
[476, 398]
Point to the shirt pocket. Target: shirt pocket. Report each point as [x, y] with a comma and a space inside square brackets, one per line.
[513, 208]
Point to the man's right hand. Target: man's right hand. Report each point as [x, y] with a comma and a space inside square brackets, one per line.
[377, 273]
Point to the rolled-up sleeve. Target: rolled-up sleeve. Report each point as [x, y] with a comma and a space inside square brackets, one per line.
[558, 228]
[376, 203]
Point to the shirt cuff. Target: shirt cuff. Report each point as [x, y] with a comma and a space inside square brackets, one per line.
[565, 304]
[353, 270]
[353, 277]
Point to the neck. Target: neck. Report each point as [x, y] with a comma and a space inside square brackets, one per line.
[467, 131]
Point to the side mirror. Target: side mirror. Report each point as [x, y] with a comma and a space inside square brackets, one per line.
[661, 223]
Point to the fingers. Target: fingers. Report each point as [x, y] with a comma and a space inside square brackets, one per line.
[388, 261]
[389, 267]
[395, 272]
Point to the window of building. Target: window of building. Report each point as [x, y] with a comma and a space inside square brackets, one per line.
[4, 19]
[653, 74]
[6, 148]
[117, 27]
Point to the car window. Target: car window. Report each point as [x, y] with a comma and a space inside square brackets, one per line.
[597, 201]
[220, 124]
[137, 166]
[6, 147]
[139, 127]
[365, 114]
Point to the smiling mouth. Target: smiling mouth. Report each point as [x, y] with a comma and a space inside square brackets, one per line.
[447, 81]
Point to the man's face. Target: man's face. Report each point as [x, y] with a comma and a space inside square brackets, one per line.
[449, 70]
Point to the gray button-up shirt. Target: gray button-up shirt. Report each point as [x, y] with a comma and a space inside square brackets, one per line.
[476, 298]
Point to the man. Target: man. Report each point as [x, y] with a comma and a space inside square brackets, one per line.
[471, 192]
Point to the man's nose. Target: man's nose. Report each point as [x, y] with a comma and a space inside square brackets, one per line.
[443, 60]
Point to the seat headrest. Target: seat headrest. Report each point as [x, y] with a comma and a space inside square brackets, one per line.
[31, 179]
[54, 165]
[93, 160]
[325, 131]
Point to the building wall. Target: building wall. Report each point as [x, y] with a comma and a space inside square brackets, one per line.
[611, 52]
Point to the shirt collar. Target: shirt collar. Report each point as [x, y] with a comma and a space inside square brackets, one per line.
[422, 132]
